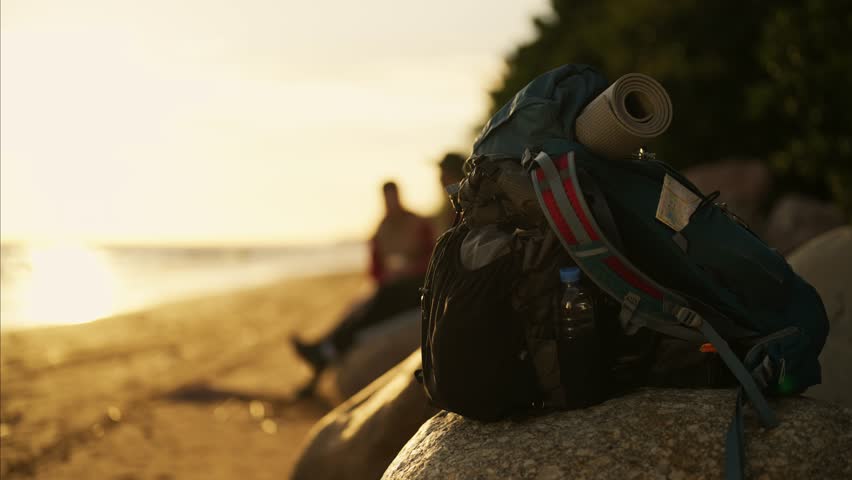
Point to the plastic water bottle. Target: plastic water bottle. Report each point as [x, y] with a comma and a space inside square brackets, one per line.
[581, 364]
[578, 313]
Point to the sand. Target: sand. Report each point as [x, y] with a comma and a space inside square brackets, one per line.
[203, 388]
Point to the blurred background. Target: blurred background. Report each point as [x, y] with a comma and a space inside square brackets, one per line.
[150, 149]
[154, 151]
[223, 135]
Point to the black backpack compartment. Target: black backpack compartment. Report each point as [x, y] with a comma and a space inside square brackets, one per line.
[475, 359]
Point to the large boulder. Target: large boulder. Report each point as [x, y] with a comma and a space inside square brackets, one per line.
[359, 438]
[376, 350]
[742, 184]
[652, 433]
[795, 219]
[826, 263]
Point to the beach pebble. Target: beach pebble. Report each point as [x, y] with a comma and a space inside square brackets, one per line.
[575, 442]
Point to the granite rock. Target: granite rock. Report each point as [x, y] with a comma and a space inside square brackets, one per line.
[649, 434]
[826, 263]
[795, 219]
[359, 438]
[744, 185]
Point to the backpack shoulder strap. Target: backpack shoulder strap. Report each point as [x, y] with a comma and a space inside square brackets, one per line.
[644, 302]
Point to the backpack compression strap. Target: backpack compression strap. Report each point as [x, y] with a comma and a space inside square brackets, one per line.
[644, 302]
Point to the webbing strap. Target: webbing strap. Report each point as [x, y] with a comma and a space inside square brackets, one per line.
[561, 199]
[587, 237]
[735, 443]
[747, 383]
[600, 209]
[576, 233]
[568, 215]
[571, 219]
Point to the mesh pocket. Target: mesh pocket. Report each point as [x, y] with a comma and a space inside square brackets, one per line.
[474, 350]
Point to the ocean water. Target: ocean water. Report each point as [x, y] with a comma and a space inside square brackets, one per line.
[66, 284]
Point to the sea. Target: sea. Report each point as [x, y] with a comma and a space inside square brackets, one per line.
[46, 285]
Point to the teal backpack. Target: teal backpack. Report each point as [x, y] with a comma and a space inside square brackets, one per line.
[712, 280]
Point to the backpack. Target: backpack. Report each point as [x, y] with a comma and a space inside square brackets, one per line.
[687, 299]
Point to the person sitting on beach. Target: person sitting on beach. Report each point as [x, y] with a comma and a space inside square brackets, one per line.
[451, 173]
[399, 255]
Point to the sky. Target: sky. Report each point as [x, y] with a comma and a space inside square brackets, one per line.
[225, 122]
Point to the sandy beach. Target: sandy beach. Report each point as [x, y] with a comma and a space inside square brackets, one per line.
[199, 389]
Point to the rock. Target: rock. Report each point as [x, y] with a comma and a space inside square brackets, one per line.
[743, 185]
[826, 263]
[376, 351]
[359, 438]
[651, 433]
[795, 219]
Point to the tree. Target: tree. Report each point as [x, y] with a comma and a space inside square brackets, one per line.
[747, 78]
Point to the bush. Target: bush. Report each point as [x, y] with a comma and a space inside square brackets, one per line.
[771, 80]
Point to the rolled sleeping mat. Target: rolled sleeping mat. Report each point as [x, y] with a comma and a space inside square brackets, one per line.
[632, 111]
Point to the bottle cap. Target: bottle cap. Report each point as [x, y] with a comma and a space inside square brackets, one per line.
[569, 274]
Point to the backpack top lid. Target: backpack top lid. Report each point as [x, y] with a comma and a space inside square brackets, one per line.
[541, 114]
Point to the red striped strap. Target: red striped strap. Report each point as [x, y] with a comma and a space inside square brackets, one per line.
[569, 215]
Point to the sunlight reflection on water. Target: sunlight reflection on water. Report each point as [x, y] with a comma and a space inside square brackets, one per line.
[67, 284]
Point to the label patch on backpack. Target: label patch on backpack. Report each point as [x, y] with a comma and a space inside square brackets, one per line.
[676, 204]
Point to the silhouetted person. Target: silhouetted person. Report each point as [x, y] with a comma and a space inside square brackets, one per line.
[399, 254]
[451, 173]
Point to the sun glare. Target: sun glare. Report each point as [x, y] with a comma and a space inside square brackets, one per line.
[67, 284]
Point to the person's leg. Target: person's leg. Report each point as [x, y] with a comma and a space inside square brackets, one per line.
[389, 300]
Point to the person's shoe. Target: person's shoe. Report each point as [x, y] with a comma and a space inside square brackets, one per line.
[312, 354]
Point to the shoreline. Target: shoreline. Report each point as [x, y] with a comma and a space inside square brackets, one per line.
[128, 394]
[178, 299]
[90, 282]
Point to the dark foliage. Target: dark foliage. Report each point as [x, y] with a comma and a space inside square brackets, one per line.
[771, 80]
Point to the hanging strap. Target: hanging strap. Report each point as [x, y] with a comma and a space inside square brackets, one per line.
[735, 442]
[645, 303]
[747, 382]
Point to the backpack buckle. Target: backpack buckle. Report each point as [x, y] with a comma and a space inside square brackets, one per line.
[628, 307]
[528, 158]
[689, 317]
[764, 373]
